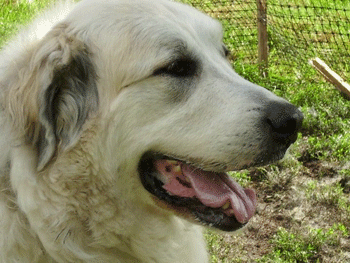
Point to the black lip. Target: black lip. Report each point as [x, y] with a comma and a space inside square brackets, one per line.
[219, 220]
[269, 157]
[213, 217]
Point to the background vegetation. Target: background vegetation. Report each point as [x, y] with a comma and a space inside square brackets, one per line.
[303, 213]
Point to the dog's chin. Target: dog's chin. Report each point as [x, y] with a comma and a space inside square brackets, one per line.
[269, 157]
[207, 197]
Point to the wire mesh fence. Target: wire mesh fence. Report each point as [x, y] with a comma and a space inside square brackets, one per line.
[297, 30]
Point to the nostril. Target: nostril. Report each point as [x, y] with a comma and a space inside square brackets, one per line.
[284, 120]
[283, 125]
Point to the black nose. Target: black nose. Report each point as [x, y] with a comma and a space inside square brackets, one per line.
[285, 121]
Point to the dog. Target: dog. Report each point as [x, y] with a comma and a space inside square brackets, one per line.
[119, 120]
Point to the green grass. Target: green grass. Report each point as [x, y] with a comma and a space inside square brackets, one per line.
[14, 15]
[292, 247]
[331, 195]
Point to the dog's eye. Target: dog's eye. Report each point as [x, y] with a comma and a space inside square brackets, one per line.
[183, 67]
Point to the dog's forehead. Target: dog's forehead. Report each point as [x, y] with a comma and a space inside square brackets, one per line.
[156, 19]
[143, 35]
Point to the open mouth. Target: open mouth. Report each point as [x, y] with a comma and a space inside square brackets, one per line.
[213, 198]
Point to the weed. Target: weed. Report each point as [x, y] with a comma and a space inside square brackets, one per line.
[242, 177]
[295, 247]
[219, 250]
[327, 194]
[336, 146]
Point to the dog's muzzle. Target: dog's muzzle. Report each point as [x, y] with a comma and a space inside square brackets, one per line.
[212, 197]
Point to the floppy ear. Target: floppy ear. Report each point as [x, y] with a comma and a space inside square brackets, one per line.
[67, 93]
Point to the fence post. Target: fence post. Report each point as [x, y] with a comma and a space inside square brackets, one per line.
[262, 37]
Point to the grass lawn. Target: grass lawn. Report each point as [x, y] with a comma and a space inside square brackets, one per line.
[303, 213]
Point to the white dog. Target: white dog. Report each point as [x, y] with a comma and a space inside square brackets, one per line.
[119, 119]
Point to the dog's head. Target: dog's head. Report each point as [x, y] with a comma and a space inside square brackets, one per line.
[172, 115]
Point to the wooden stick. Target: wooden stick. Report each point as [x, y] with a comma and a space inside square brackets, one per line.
[262, 37]
[330, 75]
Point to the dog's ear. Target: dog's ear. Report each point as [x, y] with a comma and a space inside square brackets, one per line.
[67, 92]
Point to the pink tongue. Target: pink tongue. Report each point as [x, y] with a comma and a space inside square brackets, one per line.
[212, 189]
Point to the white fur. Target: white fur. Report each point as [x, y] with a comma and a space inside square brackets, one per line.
[85, 202]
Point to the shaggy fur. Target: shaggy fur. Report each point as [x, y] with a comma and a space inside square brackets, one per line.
[86, 91]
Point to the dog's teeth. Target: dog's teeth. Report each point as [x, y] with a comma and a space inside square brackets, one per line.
[226, 205]
[230, 212]
[177, 169]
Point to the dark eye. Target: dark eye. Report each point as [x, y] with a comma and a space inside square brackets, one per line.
[183, 67]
